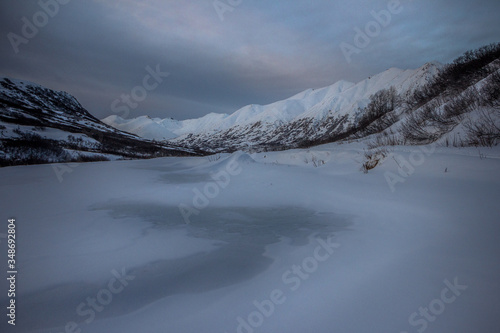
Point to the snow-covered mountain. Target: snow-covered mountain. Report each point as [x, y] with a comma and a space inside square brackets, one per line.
[39, 125]
[309, 115]
[456, 104]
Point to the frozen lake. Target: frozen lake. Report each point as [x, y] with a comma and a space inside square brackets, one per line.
[279, 245]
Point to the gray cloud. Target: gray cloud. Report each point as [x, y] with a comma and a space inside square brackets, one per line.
[261, 52]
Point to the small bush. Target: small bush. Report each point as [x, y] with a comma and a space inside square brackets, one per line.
[373, 158]
[214, 158]
[31, 149]
[90, 158]
[484, 131]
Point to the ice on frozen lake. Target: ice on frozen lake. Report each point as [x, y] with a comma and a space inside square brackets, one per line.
[254, 237]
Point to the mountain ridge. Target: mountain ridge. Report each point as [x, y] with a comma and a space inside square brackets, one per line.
[313, 106]
[456, 103]
[41, 125]
[175, 128]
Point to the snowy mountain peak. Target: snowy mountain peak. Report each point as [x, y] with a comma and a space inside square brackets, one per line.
[342, 97]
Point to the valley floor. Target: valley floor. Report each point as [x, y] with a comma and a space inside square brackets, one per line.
[294, 241]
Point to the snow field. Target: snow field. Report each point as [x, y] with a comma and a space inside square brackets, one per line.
[249, 261]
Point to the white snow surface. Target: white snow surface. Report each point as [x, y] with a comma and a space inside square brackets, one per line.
[341, 98]
[25, 86]
[257, 236]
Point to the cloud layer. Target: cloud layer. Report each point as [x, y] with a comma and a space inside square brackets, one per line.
[222, 55]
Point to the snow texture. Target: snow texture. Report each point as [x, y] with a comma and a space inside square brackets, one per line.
[393, 253]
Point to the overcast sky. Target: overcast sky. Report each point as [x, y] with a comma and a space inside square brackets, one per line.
[220, 58]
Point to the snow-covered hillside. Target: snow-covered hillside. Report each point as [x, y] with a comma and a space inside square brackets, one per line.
[295, 241]
[455, 104]
[257, 124]
[40, 125]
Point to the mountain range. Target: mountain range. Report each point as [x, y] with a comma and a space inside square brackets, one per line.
[455, 104]
[310, 115]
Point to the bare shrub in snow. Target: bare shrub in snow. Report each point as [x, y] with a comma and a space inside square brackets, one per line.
[378, 114]
[485, 130]
[464, 103]
[373, 158]
[213, 158]
[490, 92]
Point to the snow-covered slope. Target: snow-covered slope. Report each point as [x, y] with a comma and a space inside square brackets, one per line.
[40, 125]
[257, 124]
[255, 257]
[460, 108]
